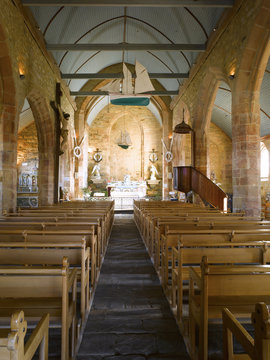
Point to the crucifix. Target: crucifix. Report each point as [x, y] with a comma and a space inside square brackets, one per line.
[62, 119]
[54, 104]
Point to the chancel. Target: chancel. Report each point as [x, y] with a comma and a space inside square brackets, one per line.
[134, 179]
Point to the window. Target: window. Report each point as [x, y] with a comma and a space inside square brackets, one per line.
[264, 163]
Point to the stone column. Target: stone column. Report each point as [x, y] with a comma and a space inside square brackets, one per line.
[201, 152]
[8, 151]
[246, 152]
[167, 167]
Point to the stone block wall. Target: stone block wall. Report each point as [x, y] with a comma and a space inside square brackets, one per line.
[27, 146]
[220, 157]
[145, 133]
[24, 51]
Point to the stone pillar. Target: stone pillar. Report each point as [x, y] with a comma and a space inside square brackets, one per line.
[201, 152]
[167, 167]
[8, 171]
[246, 153]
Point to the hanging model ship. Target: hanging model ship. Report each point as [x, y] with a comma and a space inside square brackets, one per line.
[122, 92]
[124, 140]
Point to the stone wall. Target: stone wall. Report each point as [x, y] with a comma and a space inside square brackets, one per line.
[238, 47]
[145, 134]
[23, 51]
[220, 157]
[27, 146]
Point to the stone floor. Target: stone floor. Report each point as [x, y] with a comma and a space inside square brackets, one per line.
[130, 318]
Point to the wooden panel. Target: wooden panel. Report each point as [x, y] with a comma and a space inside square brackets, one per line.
[223, 255]
[182, 178]
[30, 286]
[238, 285]
[39, 256]
[187, 178]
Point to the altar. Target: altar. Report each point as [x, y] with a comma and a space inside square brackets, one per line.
[124, 192]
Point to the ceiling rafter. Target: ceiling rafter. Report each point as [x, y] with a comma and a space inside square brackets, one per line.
[128, 47]
[102, 93]
[134, 3]
[120, 75]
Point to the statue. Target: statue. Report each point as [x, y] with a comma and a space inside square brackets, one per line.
[127, 179]
[96, 172]
[64, 118]
[154, 172]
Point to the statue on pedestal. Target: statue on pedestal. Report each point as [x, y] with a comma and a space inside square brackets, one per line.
[154, 172]
[96, 172]
[127, 179]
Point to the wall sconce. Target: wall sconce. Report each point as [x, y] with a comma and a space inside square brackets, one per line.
[232, 75]
[21, 71]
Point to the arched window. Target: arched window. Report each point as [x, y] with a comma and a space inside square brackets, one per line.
[264, 163]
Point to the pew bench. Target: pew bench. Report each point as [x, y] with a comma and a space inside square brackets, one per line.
[197, 237]
[217, 254]
[58, 238]
[38, 291]
[215, 287]
[48, 223]
[35, 253]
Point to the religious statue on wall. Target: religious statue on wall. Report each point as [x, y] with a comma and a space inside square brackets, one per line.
[64, 118]
[96, 172]
[154, 172]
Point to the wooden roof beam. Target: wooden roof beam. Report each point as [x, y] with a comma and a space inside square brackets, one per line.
[120, 75]
[127, 47]
[133, 3]
[104, 93]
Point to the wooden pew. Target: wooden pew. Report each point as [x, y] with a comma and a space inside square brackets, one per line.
[96, 226]
[38, 290]
[160, 221]
[61, 237]
[12, 339]
[220, 253]
[198, 237]
[236, 287]
[233, 227]
[257, 348]
[84, 228]
[50, 253]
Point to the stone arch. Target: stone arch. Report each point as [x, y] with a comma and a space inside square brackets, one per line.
[115, 152]
[202, 115]
[46, 145]
[246, 114]
[8, 126]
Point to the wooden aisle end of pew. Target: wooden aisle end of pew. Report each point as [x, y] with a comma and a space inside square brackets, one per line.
[215, 287]
[255, 349]
[12, 339]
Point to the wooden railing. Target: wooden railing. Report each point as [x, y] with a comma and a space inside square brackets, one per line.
[187, 178]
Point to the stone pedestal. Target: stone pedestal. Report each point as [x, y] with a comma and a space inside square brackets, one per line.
[153, 183]
[96, 180]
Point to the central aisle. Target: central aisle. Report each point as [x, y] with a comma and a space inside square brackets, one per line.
[130, 318]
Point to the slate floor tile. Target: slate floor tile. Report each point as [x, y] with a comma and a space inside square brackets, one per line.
[130, 318]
